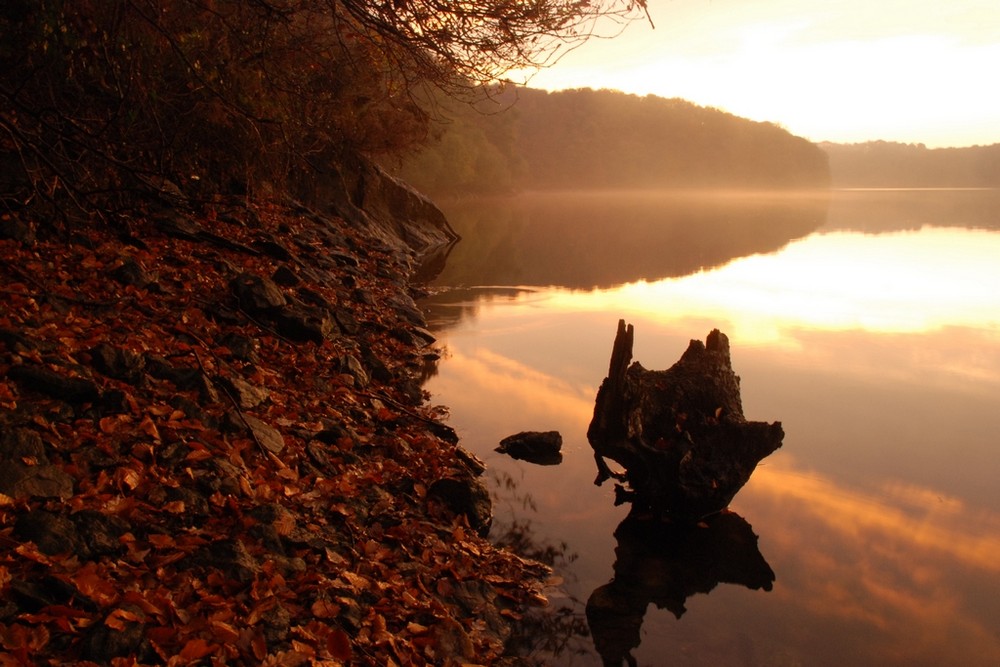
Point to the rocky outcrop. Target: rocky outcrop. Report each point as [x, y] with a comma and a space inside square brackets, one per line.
[361, 192]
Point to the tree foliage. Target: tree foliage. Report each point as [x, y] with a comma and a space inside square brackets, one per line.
[883, 164]
[101, 98]
[607, 139]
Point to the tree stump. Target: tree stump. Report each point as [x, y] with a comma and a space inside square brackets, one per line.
[680, 434]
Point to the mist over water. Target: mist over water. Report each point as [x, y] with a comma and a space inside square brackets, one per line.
[868, 324]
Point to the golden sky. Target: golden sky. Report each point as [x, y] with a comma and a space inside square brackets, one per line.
[913, 71]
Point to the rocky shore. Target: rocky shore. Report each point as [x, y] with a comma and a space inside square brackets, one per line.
[214, 449]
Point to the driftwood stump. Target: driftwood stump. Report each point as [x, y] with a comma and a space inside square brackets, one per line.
[680, 434]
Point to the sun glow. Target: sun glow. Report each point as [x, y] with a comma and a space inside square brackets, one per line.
[857, 72]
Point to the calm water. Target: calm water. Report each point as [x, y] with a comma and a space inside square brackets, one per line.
[868, 323]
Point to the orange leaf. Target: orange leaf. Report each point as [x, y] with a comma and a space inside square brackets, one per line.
[109, 424]
[197, 648]
[175, 507]
[149, 428]
[224, 632]
[91, 584]
[325, 609]
[161, 541]
[120, 618]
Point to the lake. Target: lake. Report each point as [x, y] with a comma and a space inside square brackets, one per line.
[867, 322]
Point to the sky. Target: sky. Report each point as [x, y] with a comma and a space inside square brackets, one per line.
[847, 71]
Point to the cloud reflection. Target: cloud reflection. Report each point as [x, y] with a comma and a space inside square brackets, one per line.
[902, 559]
[901, 282]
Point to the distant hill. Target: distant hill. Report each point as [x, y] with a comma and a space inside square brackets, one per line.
[607, 139]
[881, 164]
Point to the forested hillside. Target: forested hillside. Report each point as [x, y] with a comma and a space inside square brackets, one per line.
[881, 164]
[608, 139]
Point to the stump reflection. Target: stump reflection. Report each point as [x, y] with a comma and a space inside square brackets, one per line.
[664, 564]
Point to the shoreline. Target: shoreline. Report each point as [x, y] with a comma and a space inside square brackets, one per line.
[215, 447]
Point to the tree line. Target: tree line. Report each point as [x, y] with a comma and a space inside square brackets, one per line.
[527, 139]
[882, 164]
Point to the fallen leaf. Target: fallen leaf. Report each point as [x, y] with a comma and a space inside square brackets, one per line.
[339, 645]
[149, 428]
[94, 586]
[197, 648]
[325, 609]
[120, 618]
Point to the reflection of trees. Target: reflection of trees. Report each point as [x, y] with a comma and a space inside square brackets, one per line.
[551, 632]
[585, 240]
[664, 564]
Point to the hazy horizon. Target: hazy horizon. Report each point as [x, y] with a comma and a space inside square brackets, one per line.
[842, 72]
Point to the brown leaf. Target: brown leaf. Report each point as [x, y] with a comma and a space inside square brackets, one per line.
[224, 632]
[339, 645]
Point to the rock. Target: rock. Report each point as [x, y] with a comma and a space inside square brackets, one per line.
[230, 557]
[21, 480]
[406, 308]
[182, 377]
[257, 295]
[20, 443]
[285, 276]
[680, 434]
[25, 471]
[541, 447]
[246, 395]
[52, 533]
[118, 363]
[350, 365]
[346, 321]
[362, 193]
[100, 533]
[302, 323]
[267, 436]
[74, 390]
[273, 249]
[470, 460]
[115, 638]
[131, 272]
[242, 347]
[467, 496]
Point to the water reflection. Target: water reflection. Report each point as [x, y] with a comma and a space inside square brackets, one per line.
[582, 240]
[880, 354]
[664, 564]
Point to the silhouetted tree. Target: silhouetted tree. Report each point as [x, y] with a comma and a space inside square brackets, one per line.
[102, 98]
